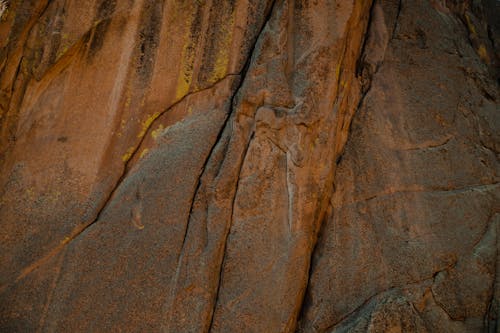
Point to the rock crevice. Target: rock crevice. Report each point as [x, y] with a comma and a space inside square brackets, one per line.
[249, 166]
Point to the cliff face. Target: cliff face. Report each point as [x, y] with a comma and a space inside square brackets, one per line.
[249, 166]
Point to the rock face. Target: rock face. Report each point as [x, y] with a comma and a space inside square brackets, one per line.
[249, 166]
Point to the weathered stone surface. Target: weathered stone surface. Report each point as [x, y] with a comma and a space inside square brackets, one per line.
[190, 166]
[416, 192]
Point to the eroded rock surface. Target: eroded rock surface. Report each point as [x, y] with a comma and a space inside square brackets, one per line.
[249, 166]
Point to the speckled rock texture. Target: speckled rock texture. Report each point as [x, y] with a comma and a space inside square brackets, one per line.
[249, 166]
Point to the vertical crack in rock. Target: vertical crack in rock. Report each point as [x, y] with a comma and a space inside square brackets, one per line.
[205, 324]
[306, 298]
[202, 170]
[243, 77]
[197, 189]
[396, 20]
[365, 78]
[285, 122]
[225, 239]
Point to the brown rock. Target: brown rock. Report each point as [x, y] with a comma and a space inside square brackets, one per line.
[190, 166]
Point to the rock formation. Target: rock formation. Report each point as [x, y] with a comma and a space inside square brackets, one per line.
[249, 166]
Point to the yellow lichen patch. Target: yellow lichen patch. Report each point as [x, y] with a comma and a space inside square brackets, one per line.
[483, 54]
[62, 51]
[54, 196]
[183, 85]
[187, 63]
[220, 67]
[147, 123]
[157, 132]
[222, 57]
[30, 192]
[120, 129]
[470, 26]
[128, 99]
[128, 154]
[65, 45]
[144, 152]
